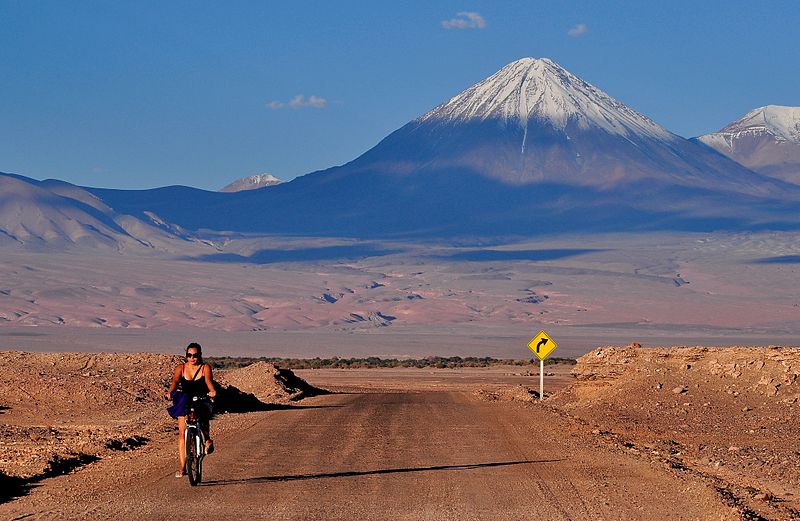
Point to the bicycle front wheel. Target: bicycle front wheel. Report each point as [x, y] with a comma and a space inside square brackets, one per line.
[199, 453]
[193, 457]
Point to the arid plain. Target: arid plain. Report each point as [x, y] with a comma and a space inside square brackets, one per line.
[293, 297]
[628, 433]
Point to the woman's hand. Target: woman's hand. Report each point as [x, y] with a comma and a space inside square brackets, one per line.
[212, 393]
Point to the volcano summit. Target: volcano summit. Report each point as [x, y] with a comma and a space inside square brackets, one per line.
[535, 122]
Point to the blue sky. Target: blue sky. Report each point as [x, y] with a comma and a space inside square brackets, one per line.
[151, 93]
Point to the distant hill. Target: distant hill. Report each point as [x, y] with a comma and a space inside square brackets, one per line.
[252, 182]
[54, 215]
[766, 140]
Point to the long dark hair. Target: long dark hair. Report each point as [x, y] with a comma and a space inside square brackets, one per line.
[199, 348]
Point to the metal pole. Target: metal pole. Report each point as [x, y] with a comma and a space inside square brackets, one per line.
[541, 380]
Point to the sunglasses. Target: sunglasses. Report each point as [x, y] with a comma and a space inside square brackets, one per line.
[192, 355]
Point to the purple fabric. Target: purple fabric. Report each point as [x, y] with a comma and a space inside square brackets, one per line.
[179, 402]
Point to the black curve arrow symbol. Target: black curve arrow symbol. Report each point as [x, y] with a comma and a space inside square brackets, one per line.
[540, 344]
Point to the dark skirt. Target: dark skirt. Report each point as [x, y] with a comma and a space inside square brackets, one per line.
[180, 404]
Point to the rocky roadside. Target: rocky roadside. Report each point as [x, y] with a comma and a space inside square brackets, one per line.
[60, 411]
[729, 416]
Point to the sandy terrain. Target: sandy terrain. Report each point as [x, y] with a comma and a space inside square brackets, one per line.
[630, 433]
[689, 288]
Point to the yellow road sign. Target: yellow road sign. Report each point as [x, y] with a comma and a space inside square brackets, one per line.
[542, 345]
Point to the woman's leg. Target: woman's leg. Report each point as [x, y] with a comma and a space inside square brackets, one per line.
[205, 425]
[182, 442]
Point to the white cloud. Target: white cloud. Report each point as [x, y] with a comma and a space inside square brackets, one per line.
[318, 102]
[465, 20]
[299, 101]
[578, 30]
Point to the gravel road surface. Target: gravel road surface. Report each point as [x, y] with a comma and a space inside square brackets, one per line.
[383, 455]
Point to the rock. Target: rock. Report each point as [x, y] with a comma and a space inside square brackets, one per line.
[680, 390]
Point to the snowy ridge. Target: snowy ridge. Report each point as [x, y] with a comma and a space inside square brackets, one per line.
[252, 182]
[540, 89]
[262, 179]
[782, 123]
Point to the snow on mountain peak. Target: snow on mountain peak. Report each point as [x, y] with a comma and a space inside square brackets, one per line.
[540, 89]
[252, 182]
[783, 123]
[262, 179]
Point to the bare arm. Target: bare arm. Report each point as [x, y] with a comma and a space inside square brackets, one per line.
[176, 377]
[209, 380]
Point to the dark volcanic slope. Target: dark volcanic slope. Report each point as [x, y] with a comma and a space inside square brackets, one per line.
[532, 149]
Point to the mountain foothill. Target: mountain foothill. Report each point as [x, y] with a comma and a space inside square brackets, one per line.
[528, 151]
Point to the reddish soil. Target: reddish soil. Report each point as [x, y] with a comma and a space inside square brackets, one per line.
[689, 433]
[729, 416]
[59, 411]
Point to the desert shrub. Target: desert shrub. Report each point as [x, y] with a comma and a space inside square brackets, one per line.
[230, 362]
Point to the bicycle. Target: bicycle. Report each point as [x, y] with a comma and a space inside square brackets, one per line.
[194, 441]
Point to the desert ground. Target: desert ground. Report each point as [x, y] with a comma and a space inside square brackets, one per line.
[89, 339]
[627, 433]
[687, 284]
[657, 289]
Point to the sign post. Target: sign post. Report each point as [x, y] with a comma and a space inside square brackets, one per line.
[542, 345]
[541, 380]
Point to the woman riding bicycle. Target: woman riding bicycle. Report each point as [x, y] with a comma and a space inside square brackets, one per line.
[192, 378]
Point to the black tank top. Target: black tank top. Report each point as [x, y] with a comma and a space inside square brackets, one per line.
[194, 387]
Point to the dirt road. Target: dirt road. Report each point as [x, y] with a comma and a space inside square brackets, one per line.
[383, 455]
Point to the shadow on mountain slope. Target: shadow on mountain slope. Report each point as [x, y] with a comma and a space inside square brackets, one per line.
[327, 253]
[784, 259]
[451, 202]
[509, 255]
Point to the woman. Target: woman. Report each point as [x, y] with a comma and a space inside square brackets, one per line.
[192, 378]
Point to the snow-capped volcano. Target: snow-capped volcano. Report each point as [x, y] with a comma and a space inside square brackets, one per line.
[530, 149]
[535, 122]
[541, 90]
[766, 139]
